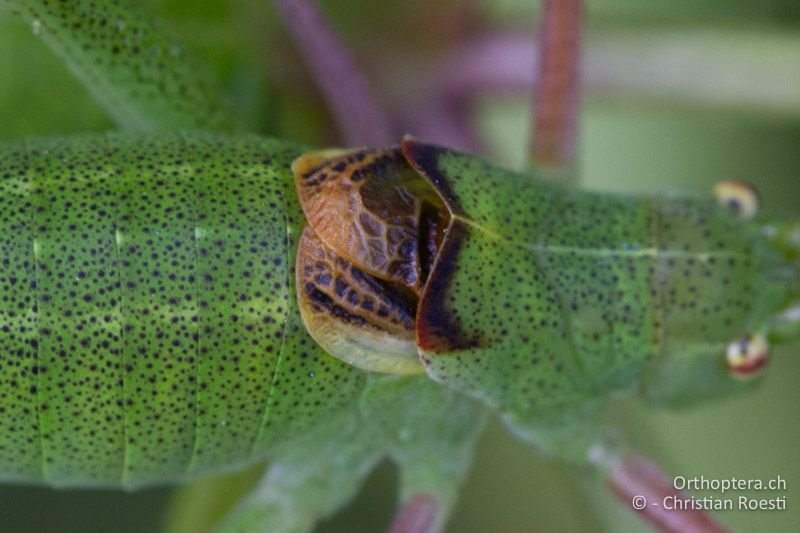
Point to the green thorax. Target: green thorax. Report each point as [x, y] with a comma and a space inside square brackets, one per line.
[543, 300]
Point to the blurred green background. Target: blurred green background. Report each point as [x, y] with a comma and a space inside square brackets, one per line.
[709, 90]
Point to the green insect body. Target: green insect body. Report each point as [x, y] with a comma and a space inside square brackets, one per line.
[590, 293]
[151, 331]
[544, 301]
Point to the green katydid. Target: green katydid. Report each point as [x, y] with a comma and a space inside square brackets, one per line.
[282, 396]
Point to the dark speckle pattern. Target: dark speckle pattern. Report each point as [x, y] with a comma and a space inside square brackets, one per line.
[150, 330]
[155, 226]
[595, 251]
[144, 79]
[79, 327]
[20, 450]
[574, 294]
[243, 298]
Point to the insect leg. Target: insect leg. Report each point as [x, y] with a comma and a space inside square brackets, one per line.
[429, 438]
[638, 482]
[434, 457]
[144, 79]
[430, 443]
[310, 480]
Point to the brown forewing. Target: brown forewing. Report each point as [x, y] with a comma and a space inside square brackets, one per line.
[374, 210]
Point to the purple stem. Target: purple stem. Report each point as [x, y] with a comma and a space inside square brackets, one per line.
[360, 119]
[643, 487]
[498, 61]
[495, 62]
[420, 514]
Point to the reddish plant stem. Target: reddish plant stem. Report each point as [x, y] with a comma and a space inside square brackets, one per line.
[420, 514]
[641, 486]
[359, 117]
[557, 95]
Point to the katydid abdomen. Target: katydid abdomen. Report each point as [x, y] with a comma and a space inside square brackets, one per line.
[151, 333]
[149, 326]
